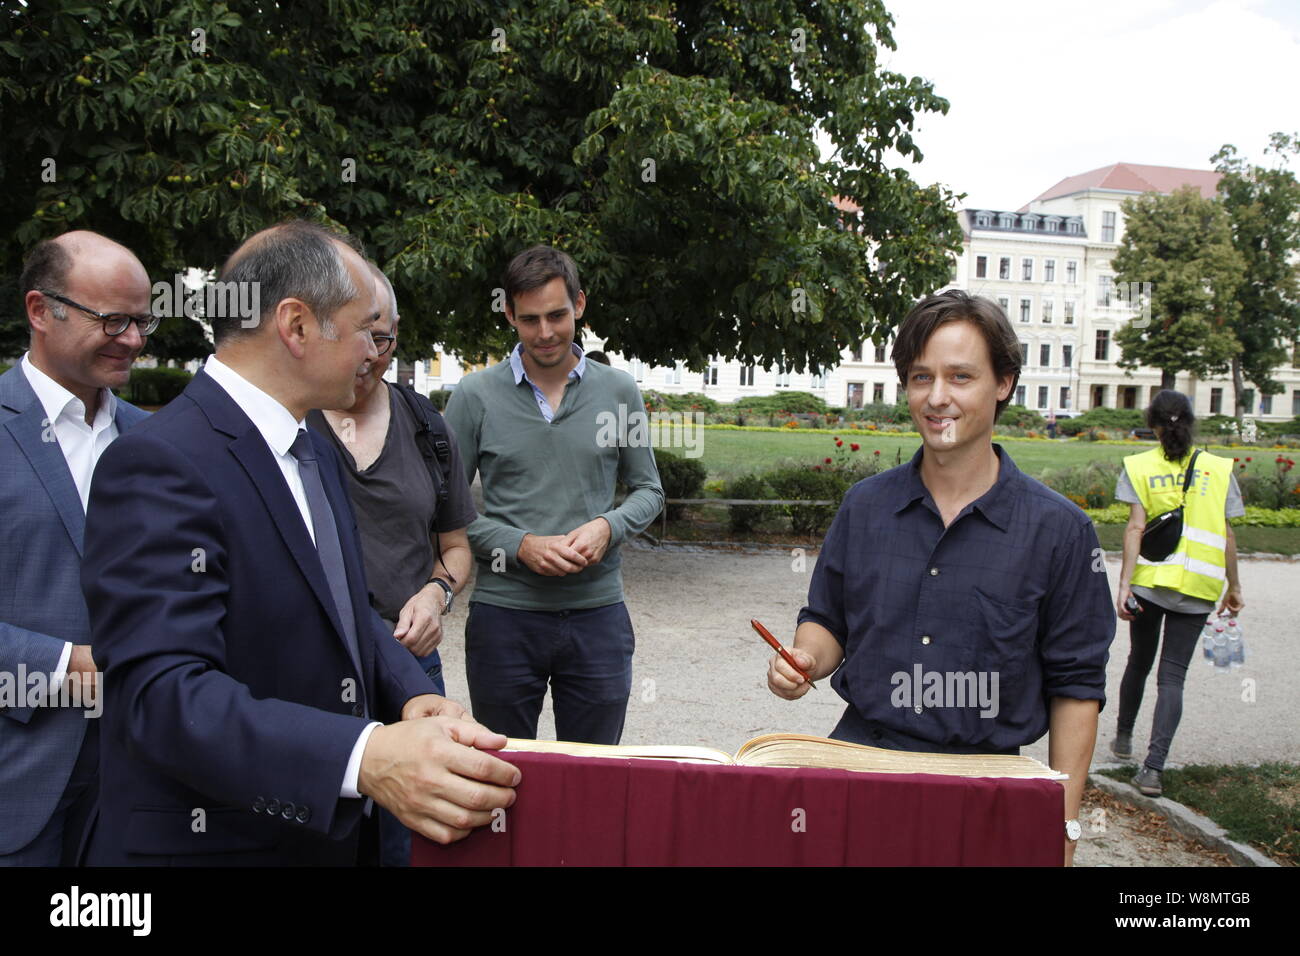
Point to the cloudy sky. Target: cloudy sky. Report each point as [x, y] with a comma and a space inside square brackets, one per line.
[1044, 89]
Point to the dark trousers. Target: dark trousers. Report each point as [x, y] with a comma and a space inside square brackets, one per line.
[394, 838]
[585, 654]
[61, 839]
[1181, 633]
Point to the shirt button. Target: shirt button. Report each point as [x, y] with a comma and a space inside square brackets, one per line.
[933, 572]
[926, 639]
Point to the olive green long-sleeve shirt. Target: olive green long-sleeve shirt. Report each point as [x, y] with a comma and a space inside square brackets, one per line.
[548, 478]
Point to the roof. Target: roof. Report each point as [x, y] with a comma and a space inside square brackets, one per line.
[1134, 177]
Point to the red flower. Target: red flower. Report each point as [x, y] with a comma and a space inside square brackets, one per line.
[817, 467]
[838, 443]
[876, 452]
[1236, 459]
[1248, 459]
[828, 461]
[854, 446]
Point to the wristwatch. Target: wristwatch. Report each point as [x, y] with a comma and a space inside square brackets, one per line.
[1073, 830]
[448, 594]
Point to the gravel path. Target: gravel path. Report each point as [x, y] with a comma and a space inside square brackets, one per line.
[699, 675]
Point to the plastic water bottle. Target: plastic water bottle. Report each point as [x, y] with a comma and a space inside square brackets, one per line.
[1207, 641]
[1222, 654]
[1236, 643]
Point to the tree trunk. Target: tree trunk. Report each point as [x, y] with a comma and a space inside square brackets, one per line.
[1238, 386]
[1166, 379]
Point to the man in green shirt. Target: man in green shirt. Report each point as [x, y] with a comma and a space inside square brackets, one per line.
[551, 435]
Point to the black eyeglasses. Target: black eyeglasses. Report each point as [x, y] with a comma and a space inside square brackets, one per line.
[115, 323]
[383, 342]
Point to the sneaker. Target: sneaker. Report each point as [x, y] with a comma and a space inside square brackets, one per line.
[1148, 782]
[1122, 746]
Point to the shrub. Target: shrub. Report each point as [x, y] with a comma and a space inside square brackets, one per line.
[156, 386]
[680, 477]
[1123, 419]
[1017, 416]
[811, 484]
[686, 402]
[1088, 486]
[800, 402]
[439, 397]
[754, 488]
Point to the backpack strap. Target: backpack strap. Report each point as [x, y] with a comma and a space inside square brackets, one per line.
[434, 442]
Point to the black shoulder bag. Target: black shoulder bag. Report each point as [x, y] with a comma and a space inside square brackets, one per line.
[1163, 532]
[435, 446]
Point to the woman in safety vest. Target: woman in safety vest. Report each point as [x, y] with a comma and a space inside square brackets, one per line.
[1183, 588]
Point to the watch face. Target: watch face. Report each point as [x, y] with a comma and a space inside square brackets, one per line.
[1073, 830]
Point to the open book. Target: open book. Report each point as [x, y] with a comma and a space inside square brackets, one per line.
[801, 750]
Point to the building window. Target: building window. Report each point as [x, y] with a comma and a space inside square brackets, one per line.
[983, 219]
[1072, 271]
[1247, 400]
[638, 370]
[1072, 227]
[1052, 225]
[710, 376]
[746, 375]
[880, 354]
[1004, 267]
[1027, 270]
[817, 380]
[782, 377]
[1045, 356]
[674, 375]
[981, 267]
[1295, 403]
[1107, 227]
[1020, 395]
[857, 353]
[1065, 397]
[1048, 306]
[1102, 351]
[878, 392]
[1026, 306]
[1266, 404]
[1067, 356]
[855, 395]
[1216, 401]
[1042, 396]
[1006, 220]
[1024, 354]
[1004, 303]
[1105, 285]
[1049, 270]
[1069, 312]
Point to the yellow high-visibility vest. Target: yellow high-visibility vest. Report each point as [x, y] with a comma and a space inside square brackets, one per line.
[1198, 566]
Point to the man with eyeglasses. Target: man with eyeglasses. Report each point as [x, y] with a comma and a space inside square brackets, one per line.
[413, 505]
[86, 299]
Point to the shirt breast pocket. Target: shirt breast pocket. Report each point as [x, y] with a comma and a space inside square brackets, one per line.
[1007, 632]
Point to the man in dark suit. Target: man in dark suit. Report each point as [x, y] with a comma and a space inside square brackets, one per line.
[57, 416]
[245, 672]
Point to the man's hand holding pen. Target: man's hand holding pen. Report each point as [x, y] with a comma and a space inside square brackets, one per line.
[784, 681]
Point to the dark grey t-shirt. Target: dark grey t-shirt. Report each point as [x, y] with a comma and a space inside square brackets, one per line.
[395, 503]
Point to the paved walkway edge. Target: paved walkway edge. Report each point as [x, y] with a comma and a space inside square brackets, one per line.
[1186, 821]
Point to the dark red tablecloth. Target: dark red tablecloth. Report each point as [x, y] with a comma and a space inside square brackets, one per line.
[583, 811]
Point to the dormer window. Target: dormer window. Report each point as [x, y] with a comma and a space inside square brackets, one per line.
[983, 220]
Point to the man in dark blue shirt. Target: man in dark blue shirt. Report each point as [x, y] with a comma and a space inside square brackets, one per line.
[962, 606]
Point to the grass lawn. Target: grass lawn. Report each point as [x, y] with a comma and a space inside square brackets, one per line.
[1256, 805]
[729, 454]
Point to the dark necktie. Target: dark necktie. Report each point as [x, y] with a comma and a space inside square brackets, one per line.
[327, 540]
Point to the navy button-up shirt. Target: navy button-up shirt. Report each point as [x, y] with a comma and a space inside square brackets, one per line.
[961, 635]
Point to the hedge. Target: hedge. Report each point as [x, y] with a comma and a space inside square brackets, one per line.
[1253, 518]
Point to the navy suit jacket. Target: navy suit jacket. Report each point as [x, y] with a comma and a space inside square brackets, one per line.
[41, 606]
[231, 701]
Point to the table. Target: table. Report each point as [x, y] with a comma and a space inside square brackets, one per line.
[588, 811]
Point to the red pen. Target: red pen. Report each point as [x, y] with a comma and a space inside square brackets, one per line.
[766, 635]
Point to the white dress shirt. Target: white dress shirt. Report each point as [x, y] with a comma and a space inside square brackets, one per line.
[81, 445]
[279, 430]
